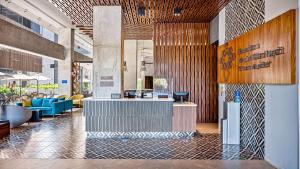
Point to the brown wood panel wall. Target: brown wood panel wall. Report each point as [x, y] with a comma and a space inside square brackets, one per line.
[182, 54]
[264, 55]
[15, 60]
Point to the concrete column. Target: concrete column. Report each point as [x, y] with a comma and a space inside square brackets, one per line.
[107, 51]
[66, 38]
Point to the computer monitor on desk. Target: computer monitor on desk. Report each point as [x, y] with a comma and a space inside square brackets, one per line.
[181, 96]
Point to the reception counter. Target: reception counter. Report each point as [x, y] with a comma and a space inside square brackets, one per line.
[139, 118]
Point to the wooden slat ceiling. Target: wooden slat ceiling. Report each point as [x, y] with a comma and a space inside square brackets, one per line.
[137, 27]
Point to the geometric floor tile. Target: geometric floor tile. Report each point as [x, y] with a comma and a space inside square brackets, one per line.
[65, 138]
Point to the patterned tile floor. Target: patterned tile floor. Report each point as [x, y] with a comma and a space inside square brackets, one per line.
[64, 138]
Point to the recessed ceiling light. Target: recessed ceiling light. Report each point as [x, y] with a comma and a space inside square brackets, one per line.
[141, 11]
[177, 11]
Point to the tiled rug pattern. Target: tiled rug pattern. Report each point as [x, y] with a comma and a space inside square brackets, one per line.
[64, 138]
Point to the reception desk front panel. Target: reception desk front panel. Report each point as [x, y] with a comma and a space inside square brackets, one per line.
[138, 118]
[125, 115]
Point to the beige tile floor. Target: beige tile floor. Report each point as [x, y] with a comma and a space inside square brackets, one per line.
[132, 164]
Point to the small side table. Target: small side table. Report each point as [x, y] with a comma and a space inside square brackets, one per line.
[4, 128]
[36, 116]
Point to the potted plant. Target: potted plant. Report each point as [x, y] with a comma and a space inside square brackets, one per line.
[5, 92]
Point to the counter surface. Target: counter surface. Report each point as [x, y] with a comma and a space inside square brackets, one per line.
[110, 117]
[129, 99]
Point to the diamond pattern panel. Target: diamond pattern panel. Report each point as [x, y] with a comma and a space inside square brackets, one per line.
[252, 115]
[240, 17]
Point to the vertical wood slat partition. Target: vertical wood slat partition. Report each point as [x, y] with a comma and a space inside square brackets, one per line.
[182, 55]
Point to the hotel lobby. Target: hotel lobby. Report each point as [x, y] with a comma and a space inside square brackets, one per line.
[149, 84]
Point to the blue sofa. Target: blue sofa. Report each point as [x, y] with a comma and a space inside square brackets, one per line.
[50, 106]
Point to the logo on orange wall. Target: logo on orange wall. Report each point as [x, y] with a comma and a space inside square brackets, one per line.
[227, 59]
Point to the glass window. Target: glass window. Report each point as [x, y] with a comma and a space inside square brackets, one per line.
[55, 38]
[35, 28]
[48, 34]
[27, 23]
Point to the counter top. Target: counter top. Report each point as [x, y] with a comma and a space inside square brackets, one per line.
[185, 104]
[128, 99]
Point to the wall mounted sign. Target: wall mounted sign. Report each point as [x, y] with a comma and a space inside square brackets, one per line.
[106, 81]
[265, 54]
[64, 81]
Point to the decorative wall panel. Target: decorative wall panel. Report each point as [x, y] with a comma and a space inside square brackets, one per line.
[182, 55]
[263, 55]
[78, 57]
[240, 17]
[252, 115]
[19, 61]
[75, 78]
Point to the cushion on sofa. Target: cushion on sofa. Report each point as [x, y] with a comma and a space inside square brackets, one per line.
[46, 103]
[53, 100]
[26, 103]
[37, 102]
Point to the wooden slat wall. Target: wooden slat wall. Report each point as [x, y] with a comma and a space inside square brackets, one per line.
[15, 60]
[182, 54]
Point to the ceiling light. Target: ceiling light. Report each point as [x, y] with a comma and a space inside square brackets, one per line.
[125, 66]
[143, 66]
[177, 11]
[141, 11]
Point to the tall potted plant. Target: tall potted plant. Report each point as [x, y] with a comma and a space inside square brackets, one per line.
[4, 99]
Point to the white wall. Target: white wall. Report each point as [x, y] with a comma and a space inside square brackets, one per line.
[130, 56]
[144, 52]
[222, 27]
[281, 101]
[136, 51]
[66, 38]
[47, 71]
[214, 30]
[221, 38]
[146, 47]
